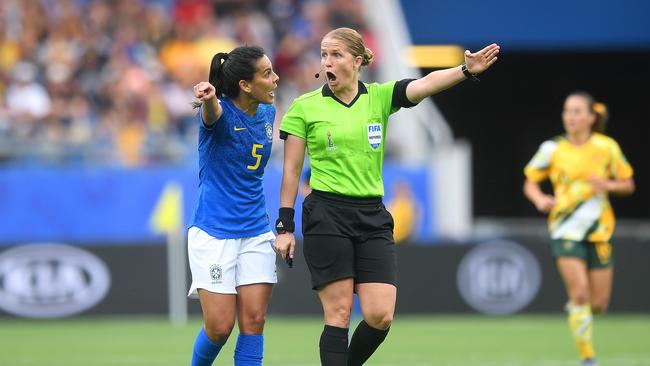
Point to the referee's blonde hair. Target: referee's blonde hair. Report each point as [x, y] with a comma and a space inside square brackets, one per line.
[354, 42]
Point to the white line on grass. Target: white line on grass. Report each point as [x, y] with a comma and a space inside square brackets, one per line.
[606, 361]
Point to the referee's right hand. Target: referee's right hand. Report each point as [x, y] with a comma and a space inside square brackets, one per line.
[285, 246]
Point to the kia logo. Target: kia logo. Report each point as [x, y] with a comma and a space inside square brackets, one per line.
[498, 277]
[51, 280]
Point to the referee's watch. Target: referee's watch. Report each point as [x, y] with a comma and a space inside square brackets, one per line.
[468, 74]
[284, 223]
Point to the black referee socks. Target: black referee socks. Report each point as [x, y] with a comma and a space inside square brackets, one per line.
[364, 342]
[334, 346]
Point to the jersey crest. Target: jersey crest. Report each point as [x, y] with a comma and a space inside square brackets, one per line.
[269, 131]
[374, 135]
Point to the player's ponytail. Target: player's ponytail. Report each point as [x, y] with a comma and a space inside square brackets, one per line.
[602, 116]
[216, 77]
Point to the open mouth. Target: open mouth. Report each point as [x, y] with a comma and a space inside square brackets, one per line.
[330, 76]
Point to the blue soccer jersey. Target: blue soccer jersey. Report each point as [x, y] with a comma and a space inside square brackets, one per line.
[232, 156]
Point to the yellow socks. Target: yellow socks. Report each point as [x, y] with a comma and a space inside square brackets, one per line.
[581, 325]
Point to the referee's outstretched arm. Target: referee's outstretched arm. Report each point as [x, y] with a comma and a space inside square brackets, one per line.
[436, 81]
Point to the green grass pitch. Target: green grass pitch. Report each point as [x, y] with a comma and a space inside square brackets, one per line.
[541, 340]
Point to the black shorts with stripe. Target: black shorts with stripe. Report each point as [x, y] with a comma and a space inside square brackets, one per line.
[348, 237]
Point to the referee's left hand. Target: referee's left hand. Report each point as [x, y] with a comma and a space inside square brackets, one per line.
[480, 61]
[285, 245]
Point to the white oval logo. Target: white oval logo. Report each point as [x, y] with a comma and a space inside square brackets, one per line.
[498, 277]
[51, 280]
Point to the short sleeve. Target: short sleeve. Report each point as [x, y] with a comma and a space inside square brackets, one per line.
[199, 116]
[384, 96]
[539, 166]
[400, 100]
[293, 122]
[619, 167]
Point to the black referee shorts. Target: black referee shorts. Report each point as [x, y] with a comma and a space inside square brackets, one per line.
[348, 237]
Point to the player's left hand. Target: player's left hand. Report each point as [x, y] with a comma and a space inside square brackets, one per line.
[480, 61]
[600, 184]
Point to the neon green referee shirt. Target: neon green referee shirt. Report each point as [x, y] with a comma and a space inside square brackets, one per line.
[345, 143]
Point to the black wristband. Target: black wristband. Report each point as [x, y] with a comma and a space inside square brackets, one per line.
[284, 223]
[468, 74]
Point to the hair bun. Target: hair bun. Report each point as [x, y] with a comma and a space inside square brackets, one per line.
[368, 57]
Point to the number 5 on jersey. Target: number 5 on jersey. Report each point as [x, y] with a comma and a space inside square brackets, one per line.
[257, 156]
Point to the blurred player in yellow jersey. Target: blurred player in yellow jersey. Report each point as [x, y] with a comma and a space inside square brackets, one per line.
[584, 166]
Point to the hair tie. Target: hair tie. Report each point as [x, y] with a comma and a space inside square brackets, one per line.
[599, 108]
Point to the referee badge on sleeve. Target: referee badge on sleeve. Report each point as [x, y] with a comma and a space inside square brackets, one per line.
[374, 135]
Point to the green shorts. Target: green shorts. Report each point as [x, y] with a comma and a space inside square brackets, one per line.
[596, 254]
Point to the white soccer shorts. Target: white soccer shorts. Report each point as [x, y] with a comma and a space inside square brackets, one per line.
[221, 265]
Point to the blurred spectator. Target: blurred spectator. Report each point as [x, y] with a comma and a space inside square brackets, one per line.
[28, 102]
[406, 212]
[109, 81]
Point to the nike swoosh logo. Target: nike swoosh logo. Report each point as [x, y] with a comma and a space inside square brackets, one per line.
[239, 128]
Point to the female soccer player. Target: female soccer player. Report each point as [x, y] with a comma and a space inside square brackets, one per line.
[584, 166]
[230, 242]
[348, 233]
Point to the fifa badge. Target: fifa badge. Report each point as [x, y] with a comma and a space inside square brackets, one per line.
[374, 135]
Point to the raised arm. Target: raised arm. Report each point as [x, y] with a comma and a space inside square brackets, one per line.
[210, 107]
[440, 80]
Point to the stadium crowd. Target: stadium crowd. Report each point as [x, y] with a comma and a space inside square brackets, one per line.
[109, 82]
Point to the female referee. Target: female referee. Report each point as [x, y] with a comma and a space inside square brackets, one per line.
[230, 242]
[348, 234]
[584, 166]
